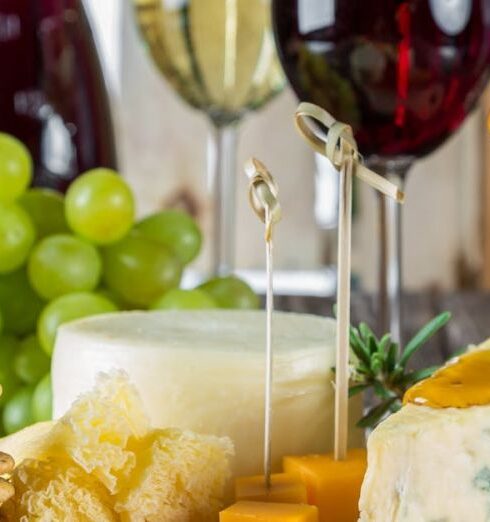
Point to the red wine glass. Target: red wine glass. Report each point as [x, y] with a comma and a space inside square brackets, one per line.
[404, 74]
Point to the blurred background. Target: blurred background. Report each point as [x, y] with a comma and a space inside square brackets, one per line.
[162, 150]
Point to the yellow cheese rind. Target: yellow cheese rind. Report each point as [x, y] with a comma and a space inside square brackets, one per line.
[333, 486]
[246, 511]
[284, 488]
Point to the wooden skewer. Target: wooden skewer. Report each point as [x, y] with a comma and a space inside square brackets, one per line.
[340, 147]
[328, 145]
[263, 200]
[343, 312]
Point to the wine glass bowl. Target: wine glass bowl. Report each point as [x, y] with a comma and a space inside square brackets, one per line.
[220, 57]
[403, 74]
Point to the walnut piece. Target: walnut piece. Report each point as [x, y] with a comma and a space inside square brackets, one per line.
[7, 465]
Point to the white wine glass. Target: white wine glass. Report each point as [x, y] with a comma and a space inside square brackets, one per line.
[220, 57]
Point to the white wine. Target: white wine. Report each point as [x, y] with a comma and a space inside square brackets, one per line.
[219, 55]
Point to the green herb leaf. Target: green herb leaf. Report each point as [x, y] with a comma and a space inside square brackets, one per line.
[380, 366]
[363, 369]
[459, 352]
[375, 414]
[366, 332]
[358, 347]
[384, 343]
[396, 375]
[418, 375]
[423, 336]
[373, 346]
[390, 361]
[359, 388]
[381, 391]
[376, 363]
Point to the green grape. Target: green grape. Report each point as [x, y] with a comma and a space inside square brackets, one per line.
[31, 361]
[19, 303]
[17, 413]
[100, 207]
[231, 292]
[17, 235]
[176, 230]
[64, 264]
[46, 208]
[113, 297]
[9, 346]
[68, 308]
[140, 269]
[10, 383]
[15, 168]
[42, 400]
[178, 299]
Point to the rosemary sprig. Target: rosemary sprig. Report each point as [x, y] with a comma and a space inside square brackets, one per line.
[379, 365]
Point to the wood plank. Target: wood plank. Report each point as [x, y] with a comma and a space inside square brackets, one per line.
[419, 309]
[470, 323]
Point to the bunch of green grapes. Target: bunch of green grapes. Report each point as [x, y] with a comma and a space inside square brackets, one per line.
[67, 257]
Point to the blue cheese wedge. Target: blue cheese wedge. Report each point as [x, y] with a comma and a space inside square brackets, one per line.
[430, 462]
[429, 465]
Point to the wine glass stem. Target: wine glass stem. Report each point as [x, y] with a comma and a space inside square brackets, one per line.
[222, 168]
[393, 262]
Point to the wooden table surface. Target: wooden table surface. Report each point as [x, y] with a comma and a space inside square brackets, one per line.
[470, 323]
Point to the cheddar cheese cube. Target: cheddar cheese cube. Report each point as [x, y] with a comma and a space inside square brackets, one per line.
[333, 486]
[247, 511]
[284, 488]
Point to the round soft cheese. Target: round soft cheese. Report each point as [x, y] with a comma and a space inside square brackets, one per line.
[204, 371]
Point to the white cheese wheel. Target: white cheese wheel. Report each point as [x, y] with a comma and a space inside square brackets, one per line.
[204, 371]
[429, 465]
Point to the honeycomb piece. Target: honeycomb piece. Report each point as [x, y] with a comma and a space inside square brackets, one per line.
[179, 477]
[97, 428]
[57, 489]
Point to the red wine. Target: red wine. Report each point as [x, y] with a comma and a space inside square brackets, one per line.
[404, 74]
[52, 93]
